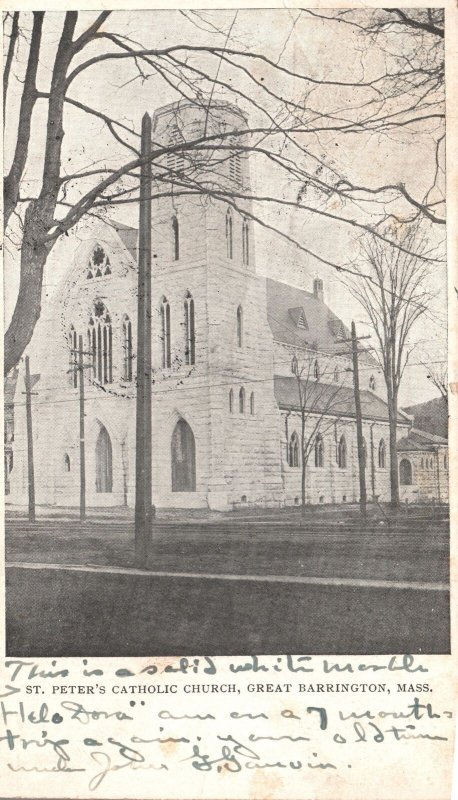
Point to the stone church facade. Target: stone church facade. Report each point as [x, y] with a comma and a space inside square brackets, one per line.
[227, 348]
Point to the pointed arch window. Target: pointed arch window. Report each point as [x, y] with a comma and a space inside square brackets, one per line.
[372, 383]
[176, 238]
[382, 454]
[165, 334]
[294, 365]
[336, 375]
[100, 344]
[252, 403]
[231, 401]
[99, 263]
[293, 450]
[73, 358]
[67, 464]
[245, 242]
[319, 451]
[229, 240]
[364, 452]
[127, 348]
[239, 326]
[316, 370]
[189, 322]
[242, 401]
[342, 453]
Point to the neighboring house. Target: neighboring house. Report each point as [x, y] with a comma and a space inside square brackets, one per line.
[423, 467]
[431, 416]
[226, 420]
[9, 391]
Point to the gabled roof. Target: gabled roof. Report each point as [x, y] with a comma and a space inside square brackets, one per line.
[431, 417]
[418, 440]
[324, 329]
[330, 398]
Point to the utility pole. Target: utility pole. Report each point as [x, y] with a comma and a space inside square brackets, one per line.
[30, 463]
[359, 419]
[82, 443]
[143, 463]
[359, 424]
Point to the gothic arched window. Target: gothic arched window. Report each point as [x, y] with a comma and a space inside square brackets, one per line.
[99, 263]
[382, 454]
[239, 326]
[67, 462]
[372, 383]
[316, 370]
[245, 242]
[229, 242]
[183, 453]
[231, 401]
[342, 453]
[100, 341]
[127, 348]
[319, 451]
[293, 450]
[336, 375]
[364, 452]
[176, 238]
[189, 323]
[294, 365]
[165, 334]
[242, 401]
[252, 403]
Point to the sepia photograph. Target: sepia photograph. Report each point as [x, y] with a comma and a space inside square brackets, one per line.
[225, 306]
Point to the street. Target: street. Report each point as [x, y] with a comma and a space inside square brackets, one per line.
[266, 583]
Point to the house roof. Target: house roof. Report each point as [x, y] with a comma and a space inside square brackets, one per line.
[328, 398]
[301, 319]
[431, 417]
[418, 440]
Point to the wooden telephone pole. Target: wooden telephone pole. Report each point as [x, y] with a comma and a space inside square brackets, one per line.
[82, 442]
[30, 462]
[359, 419]
[143, 465]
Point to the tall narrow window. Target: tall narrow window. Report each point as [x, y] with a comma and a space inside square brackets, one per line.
[319, 451]
[364, 452]
[336, 375]
[231, 401]
[165, 334]
[381, 454]
[372, 383]
[73, 359]
[176, 238]
[294, 365]
[183, 457]
[293, 450]
[342, 453]
[242, 401]
[252, 403]
[100, 341]
[316, 371]
[405, 472]
[245, 242]
[127, 348]
[229, 243]
[67, 462]
[239, 326]
[190, 343]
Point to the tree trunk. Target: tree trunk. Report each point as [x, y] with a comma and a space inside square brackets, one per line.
[28, 305]
[394, 473]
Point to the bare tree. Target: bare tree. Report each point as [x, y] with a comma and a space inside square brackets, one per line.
[394, 298]
[286, 125]
[437, 373]
[318, 403]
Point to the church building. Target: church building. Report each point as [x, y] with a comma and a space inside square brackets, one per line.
[241, 362]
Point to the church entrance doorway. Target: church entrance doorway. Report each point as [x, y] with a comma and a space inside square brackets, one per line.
[183, 458]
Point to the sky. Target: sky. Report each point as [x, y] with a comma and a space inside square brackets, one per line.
[301, 44]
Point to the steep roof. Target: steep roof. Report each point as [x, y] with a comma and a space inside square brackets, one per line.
[420, 440]
[329, 398]
[317, 327]
[128, 235]
[431, 416]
